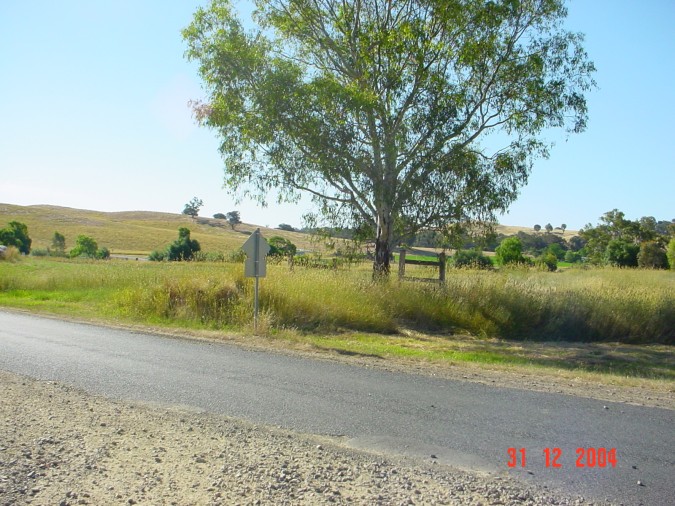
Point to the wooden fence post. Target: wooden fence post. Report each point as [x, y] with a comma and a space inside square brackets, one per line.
[401, 264]
[441, 266]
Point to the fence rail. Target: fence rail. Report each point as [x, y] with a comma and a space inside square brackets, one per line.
[440, 263]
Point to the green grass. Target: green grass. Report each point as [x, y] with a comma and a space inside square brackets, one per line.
[507, 317]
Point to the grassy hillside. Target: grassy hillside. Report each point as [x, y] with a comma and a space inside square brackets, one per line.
[137, 232]
[140, 232]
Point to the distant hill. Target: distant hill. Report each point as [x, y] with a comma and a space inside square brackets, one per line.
[140, 232]
[133, 232]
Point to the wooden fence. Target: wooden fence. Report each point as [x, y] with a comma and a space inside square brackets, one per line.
[440, 263]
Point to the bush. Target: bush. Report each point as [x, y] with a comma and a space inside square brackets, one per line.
[621, 253]
[671, 254]
[183, 248]
[16, 234]
[573, 257]
[157, 256]
[548, 261]
[471, 259]
[85, 246]
[103, 253]
[9, 253]
[510, 251]
[40, 252]
[282, 247]
[652, 256]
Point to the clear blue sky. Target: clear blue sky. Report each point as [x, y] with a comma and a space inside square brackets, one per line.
[93, 115]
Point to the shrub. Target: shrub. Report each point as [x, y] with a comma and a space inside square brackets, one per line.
[59, 244]
[40, 252]
[9, 253]
[671, 253]
[16, 234]
[157, 256]
[282, 247]
[547, 261]
[219, 216]
[621, 253]
[573, 257]
[85, 246]
[103, 253]
[510, 251]
[471, 259]
[183, 248]
[652, 256]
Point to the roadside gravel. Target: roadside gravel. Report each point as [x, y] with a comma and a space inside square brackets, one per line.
[61, 446]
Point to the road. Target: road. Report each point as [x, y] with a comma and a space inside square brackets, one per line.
[464, 424]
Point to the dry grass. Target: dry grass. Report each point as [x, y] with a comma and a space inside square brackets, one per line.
[133, 232]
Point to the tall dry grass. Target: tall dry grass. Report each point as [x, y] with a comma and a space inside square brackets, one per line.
[635, 306]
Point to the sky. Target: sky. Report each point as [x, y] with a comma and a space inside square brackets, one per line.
[94, 115]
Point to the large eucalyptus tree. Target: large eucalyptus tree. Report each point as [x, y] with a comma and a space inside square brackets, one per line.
[382, 109]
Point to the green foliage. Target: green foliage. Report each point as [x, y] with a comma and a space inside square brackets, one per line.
[59, 244]
[286, 227]
[557, 250]
[16, 234]
[510, 252]
[549, 228]
[192, 208]
[157, 256]
[548, 261]
[219, 216]
[282, 247]
[601, 240]
[377, 108]
[652, 256]
[103, 253]
[621, 253]
[537, 228]
[573, 257]
[471, 259]
[671, 253]
[183, 248]
[85, 246]
[233, 218]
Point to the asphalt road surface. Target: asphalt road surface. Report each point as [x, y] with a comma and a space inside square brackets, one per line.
[468, 425]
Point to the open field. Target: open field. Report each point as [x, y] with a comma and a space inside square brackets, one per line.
[514, 319]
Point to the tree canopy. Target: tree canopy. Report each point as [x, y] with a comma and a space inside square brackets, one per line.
[192, 208]
[382, 110]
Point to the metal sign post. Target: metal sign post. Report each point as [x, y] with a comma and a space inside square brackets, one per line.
[256, 249]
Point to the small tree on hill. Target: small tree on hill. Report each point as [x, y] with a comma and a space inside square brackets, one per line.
[233, 218]
[286, 227]
[192, 208]
[219, 216]
[563, 227]
[59, 243]
[537, 228]
[549, 228]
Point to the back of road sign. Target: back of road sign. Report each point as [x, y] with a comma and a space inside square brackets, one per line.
[256, 249]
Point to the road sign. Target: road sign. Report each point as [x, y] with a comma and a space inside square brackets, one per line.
[256, 249]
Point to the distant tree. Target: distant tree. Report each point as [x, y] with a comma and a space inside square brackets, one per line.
[183, 248]
[563, 227]
[286, 227]
[576, 243]
[16, 234]
[471, 259]
[85, 246]
[557, 250]
[59, 243]
[652, 256]
[537, 228]
[233, 218]
[192, 208]
[549, 228]
[219, 216]
[621, 253]
[510, 251]
[280, 246]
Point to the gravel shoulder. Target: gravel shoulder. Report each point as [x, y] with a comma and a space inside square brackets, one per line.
[62, 446]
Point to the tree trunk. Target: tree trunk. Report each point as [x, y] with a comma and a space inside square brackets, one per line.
[381, 265]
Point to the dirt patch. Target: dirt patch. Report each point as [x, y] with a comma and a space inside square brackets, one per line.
[61, 446]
